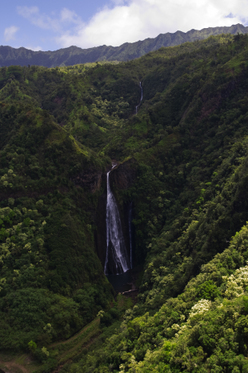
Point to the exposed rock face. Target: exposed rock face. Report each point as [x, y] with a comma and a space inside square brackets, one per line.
[89, 179]
[123, 176]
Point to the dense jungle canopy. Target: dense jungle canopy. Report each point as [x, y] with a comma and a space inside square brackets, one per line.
[182, 162]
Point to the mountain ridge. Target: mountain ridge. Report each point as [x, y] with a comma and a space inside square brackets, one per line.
[128, 51]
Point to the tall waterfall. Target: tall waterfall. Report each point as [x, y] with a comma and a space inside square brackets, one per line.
[116, 261]
[141, 97]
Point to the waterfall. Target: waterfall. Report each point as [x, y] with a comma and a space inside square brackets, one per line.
[116, 261]
[141, 97]
[130, 233]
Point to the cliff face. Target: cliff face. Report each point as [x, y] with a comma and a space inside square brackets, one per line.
[123, 176]
[89, 179]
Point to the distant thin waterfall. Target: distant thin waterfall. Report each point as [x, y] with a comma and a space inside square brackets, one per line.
[141, 98]
[130, 233]
[117, 260]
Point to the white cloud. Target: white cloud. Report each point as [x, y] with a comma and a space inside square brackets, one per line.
[36, 18]
[47, 22]
[67, 15]
[28, 12]
[9, 33]
[138, 19]
[35, 49]
[132, 20]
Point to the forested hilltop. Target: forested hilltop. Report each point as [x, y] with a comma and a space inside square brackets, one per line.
[125, 52]
[183, 164]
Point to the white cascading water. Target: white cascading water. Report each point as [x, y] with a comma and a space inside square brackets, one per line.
[117, 260]
[141, 98]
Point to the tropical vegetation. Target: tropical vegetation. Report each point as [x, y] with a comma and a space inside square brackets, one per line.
[182, 162]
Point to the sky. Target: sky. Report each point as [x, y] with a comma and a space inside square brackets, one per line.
[54, 24]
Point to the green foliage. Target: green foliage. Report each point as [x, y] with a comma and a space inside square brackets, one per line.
[182, 162]
[32, 346]
[46, 250]
[207, 290]
[191, 162]
[186, 334]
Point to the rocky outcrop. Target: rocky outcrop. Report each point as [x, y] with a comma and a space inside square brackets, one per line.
[123, 176]
[89, 179]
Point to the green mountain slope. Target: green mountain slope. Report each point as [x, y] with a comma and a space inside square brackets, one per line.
[50, 273]
[127, 51]
[190, 142]
[182, 163]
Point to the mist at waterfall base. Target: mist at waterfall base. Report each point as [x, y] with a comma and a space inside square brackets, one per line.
[118, 261]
